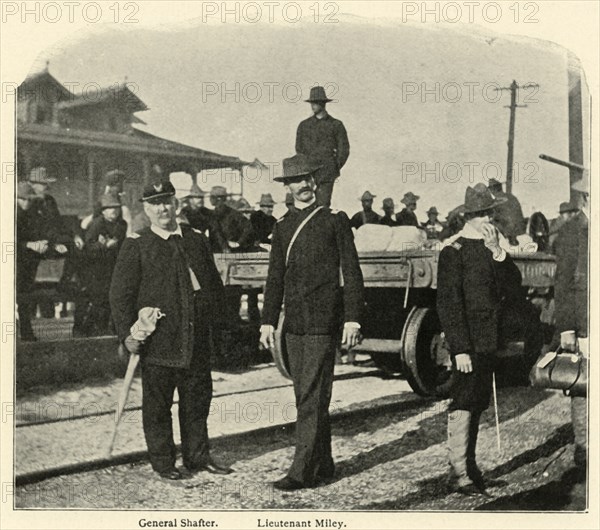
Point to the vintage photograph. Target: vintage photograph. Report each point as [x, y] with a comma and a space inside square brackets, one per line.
[303, 259]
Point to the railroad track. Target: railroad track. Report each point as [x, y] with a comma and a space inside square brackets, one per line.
[402, 398]
[75, 417]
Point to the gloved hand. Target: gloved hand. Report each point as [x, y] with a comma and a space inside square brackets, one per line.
[133, 346]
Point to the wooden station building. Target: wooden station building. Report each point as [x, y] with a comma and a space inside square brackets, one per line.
[78, 138]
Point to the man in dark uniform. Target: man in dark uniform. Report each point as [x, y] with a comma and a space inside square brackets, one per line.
[31, 247]
[508, 217]
[367, 215]
[571, 299]
[170, 267]
[45, 204]
[475, 277]
[103, 240]
[388, 208]
[203, 219]
[432, 226]
[566, 211]
[407, 216]
[324, 140]
[262, 220]
[236, 229]
[310, 248]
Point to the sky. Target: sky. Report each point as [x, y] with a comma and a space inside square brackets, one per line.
[418, 101]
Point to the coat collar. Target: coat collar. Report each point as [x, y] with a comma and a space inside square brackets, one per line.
[164, 234]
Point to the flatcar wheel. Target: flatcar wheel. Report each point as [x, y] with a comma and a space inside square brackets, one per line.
[423, 353]
[279, 352]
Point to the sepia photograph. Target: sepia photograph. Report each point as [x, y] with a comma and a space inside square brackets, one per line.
[299, 264]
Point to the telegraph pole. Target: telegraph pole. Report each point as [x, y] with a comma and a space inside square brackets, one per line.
[511, 128]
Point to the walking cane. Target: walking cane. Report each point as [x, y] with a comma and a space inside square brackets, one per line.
[141, 329]
[134, 360]
[496, 411]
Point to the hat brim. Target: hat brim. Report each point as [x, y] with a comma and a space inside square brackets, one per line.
[158, 196]
[496, 202]
[48, 180]
[283, 178]
[326, 100]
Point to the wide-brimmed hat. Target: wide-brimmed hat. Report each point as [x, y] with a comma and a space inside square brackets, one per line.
[195, 192]
[434, 210]
[218, 191]
[296, 166]
[480, 198]
[567, 207]
[583, 184]
[266, 200]
[367, 196]
[158, 190]
[109, 200]
[388, 202]
[39, 175]
[25, 191]
[243, 206]
[317, 95]
[409, 198]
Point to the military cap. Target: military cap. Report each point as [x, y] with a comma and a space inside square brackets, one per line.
[296, 166]
[243, 206]
[388, 202]
[218, 191]
[266, 200]
[480, 198]
[317, 95]
[159, 190]
[409, 198]
[367, 196]
[434, 210]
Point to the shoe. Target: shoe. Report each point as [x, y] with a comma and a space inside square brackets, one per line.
[288, 484]
[471, 490]
[171, 474]
[211, 467]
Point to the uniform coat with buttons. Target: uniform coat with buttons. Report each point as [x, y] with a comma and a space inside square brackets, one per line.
[473, 291]
[146, 275]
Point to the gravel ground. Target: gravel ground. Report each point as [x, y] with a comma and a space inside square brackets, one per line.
[391, 458]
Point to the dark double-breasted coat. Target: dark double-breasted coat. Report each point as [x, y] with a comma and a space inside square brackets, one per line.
[473, 293]
[364, 218]
[407, 217]
[146, 275]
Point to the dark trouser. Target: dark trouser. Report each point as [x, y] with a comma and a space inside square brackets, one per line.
[194, 387]
[311, 359]
[323, 193]
[579, 419]
[26, 272]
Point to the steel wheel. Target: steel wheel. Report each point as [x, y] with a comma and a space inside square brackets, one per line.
[424, 355]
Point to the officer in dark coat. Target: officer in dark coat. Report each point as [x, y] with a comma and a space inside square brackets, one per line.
[324, 140]
[310, 248]
[170, 267]
[31, 247]
[262, 220]
[236, 229]
[475, 278]
[203, 219]
[103, 241]
[571, 299]
[367, 215]
[407, 216]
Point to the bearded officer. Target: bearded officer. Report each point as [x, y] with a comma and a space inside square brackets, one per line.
[310, 248]
[170, 267]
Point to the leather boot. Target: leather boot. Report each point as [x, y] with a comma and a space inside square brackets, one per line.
[473, 470]
[458, 440]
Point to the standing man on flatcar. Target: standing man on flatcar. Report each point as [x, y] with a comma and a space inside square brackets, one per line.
[310, 249]
[366, 215]
[324, 140]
